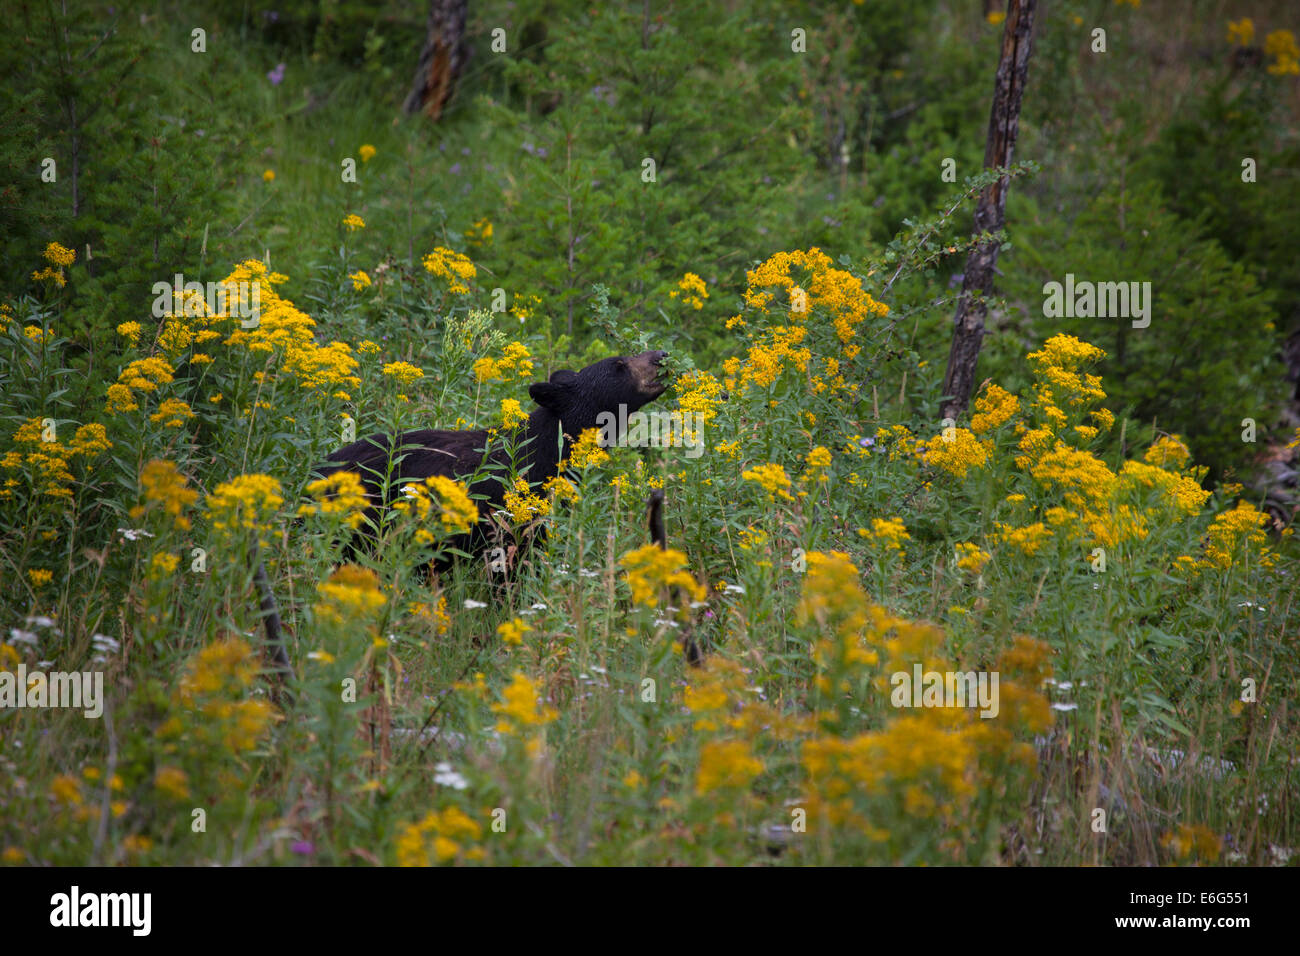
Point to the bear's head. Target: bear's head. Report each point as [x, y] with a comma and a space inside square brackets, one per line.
[579, 398]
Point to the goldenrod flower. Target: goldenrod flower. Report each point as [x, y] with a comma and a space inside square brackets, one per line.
[512, 413]
[404, 372]
[1242, 32]
[351, 593]
[773, 479]
[512, 632]
[520, 707]
[652, 569]
[341, 493]
[970, 557]
[587, 450]
[958, 456]
[59, 255]
[244, 503]
[692, 290]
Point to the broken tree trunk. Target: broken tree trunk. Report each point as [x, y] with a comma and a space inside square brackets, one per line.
[441, 60]
[990, 212]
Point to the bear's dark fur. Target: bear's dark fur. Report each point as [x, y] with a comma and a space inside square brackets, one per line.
[567, 405]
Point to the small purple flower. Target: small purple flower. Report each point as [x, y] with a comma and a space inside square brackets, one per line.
[455, 169]
[276, 76]
[303, 848]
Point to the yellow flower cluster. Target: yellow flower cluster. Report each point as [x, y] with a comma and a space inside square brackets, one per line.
[479, 233]
[438, 838]
[692, 290]
[48, 463]
[925, 763]
[512, 413]
[972, 558]
[524, 306]
[520, 707]
[826, 307]
[140, 376]
[1242, 32]
[1083, 478]
[515, 363]
[172, 413]
[512, 632]
[165, 488]
[524, 504]
[1281, 46]
[891, 531]
[404, 372]
[455, 507]
[1183, 492]
[131, 332]
[993, 408]
[1168, 451]
[352, 222]
[726, 764]
[1027, 539]
[434, 617]
[340, 494]
[214, 689]
[351, 594]
[454, 267]
[1187, 842]
[773, 479]
[652, 570]
[245, 503]
[59, 258]
[818, 461]
[1233, 535]
[959, 455]
[699, 394]
[285, 330]
[834, 290]
[360, 280]
[59, 255]
[561, 489]
[587, 451]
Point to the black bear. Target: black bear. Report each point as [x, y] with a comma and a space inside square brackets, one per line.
[567, 405]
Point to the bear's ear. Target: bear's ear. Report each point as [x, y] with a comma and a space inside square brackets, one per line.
[550, 394]
[563, 377]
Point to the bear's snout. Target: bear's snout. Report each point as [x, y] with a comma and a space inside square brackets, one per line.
[648, 371]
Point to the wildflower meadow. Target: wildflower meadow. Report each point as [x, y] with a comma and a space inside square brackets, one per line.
[798, 610]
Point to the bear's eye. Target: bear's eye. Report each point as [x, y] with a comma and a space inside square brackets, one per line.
[621, 364]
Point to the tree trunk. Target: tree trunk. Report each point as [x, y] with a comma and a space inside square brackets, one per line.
[990, 212]
[442, 59]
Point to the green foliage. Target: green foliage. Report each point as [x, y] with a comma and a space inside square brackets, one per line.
[1208, 358]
